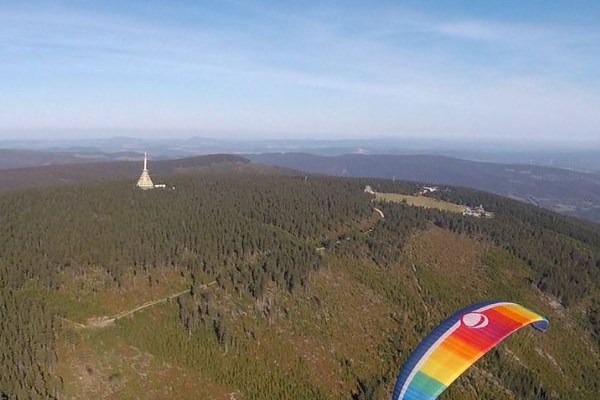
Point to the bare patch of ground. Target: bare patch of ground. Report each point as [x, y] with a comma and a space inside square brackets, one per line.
[122, 372]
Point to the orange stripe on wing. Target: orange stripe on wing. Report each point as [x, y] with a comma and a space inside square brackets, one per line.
[461, 348]
[517, 313]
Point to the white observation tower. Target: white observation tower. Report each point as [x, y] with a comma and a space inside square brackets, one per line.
[145, 182]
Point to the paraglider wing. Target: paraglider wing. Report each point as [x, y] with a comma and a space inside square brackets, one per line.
[457, 343]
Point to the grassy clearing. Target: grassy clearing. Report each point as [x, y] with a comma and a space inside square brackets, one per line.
[562, 208]
[84, 297]
[420, 201]
[328, 340]
[103, 364]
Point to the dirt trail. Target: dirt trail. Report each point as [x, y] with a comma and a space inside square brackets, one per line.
[104, 322]
[101, 322]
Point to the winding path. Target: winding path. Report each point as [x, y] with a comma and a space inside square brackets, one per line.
[101, 322]
[379, 211]
[143, 306]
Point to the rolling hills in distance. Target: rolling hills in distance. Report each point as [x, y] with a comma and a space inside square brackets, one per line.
[569, 192]
[566, 191]
[23, 158]
[577, 157]
[251, 282]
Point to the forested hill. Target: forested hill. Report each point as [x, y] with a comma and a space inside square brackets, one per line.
[53, 175]
[280, 287]
[565, 191]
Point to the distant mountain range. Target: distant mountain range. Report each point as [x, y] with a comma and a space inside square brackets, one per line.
[22, 158]
[565, 191]
[581, 157]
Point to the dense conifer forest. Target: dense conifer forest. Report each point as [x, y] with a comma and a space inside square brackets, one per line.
[238, 230]
[564, 252]
[262, 240]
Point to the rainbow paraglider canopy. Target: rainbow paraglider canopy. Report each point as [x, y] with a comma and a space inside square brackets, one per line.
[457, 343]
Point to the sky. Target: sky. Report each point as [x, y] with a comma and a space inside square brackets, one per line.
[504, 70]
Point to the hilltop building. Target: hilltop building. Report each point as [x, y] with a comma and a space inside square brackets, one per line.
[427, 189]
[369, 190]
[145, 182]
[478, 212]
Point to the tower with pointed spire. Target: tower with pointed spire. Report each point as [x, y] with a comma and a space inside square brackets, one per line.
[145, 182]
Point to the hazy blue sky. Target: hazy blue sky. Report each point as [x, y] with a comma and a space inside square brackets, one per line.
[481, 69]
